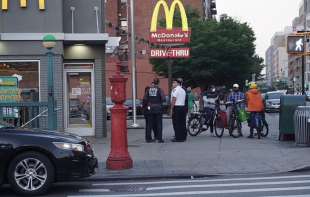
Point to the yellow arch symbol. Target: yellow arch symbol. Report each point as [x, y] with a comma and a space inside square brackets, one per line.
[169, 13]
[22, 3]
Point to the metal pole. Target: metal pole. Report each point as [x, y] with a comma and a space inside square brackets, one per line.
[303, 62]
[170, 77]
[133, 62]
[51, 99]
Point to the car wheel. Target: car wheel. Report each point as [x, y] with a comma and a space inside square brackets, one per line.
[31, 173]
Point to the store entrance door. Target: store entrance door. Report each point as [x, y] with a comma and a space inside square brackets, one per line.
[79, 99]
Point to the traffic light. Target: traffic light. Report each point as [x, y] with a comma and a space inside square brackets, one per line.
[295, 44]
[213, 10]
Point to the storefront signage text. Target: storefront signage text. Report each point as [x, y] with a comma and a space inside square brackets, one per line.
[170, 36]
[22, 4]
[9, 91]
[170, 53]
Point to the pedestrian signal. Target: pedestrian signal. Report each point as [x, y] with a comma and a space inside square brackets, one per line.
[295, 44]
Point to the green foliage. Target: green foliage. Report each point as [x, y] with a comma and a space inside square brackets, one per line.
[222, 53]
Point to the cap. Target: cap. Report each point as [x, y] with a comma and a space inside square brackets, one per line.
[253, 85]
[235, 86]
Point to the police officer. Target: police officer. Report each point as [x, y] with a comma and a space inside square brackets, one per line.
[154, 99]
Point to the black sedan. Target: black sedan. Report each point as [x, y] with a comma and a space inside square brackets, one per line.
[129, 104]
[32, 160]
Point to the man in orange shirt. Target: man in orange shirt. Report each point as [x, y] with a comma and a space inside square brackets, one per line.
[255, 106]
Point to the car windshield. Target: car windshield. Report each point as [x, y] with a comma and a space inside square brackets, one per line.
[5, 125]
[276, 95]
[130, 101]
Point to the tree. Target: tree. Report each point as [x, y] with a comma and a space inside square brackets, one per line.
[222, 53]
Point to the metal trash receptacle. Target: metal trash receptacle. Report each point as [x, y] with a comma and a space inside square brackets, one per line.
[302, 126]
[289, 104]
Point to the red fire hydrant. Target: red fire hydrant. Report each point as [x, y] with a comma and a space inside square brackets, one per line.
[119, 158]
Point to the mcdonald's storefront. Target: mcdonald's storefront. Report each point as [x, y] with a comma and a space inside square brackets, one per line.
[79, 57]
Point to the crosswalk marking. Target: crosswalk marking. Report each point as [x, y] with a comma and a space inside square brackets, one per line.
[185, 193]
[94, 190]
[290, 196]
[226, 185]
[200, 181]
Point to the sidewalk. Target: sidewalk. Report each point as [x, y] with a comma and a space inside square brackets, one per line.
[203, 155]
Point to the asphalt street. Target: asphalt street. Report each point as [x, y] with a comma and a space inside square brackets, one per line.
[285, 185]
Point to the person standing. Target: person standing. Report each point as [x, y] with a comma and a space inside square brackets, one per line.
[255, 105]
[235, 96]
[210, 102]
[178, 110]
[154, 98]
[191, 99]
[148, 135]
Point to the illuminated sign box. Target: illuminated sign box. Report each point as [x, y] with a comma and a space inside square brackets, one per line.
[170, 34]
[170, 53]
[22, 4]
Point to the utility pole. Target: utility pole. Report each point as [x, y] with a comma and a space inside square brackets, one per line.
[303, 62]
[133, 62]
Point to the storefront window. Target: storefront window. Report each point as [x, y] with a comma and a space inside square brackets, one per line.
[27, 73]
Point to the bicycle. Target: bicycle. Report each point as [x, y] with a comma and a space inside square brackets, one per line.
[198, 120]
[262, 125]
[234, 124]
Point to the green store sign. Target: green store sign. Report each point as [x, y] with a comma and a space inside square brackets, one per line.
[9, 91]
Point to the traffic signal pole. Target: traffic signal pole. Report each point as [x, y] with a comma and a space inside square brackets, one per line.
[303, 62]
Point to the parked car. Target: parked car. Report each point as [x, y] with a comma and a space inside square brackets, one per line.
[139, 106]
[166, 105]
[32, 160]
[272, 101]
[109, 105]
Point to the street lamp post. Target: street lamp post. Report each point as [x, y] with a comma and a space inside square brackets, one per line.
[133, 62]
[49, 42]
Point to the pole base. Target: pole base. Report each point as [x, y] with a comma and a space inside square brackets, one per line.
[119, 163]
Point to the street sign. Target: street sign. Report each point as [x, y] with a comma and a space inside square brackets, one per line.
[295, 44]
[170, 53]
[170, 35]
[9, 91]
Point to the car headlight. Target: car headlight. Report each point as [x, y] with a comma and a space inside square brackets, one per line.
[69, 146]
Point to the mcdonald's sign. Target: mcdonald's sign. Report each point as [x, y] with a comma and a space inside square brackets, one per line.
[22, 4]
[169, 34]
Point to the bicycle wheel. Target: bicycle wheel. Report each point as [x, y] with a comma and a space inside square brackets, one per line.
[218, 126]
[194, 126]
[265, 129]
[235, 128]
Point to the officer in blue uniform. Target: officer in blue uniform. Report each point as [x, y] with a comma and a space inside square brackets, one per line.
[154, 99]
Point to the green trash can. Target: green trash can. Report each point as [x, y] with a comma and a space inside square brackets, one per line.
[288, 105]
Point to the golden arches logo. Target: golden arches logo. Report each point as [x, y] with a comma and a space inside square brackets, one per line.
[169, 13]
[22, 3]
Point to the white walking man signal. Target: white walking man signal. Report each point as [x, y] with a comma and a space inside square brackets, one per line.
[299, 45]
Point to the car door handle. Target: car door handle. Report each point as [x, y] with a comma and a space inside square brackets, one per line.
[6, 146]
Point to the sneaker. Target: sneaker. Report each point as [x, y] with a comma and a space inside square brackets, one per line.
[150, 141]
[160, 141]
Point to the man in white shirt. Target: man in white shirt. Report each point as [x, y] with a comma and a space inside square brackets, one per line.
[178, 110]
